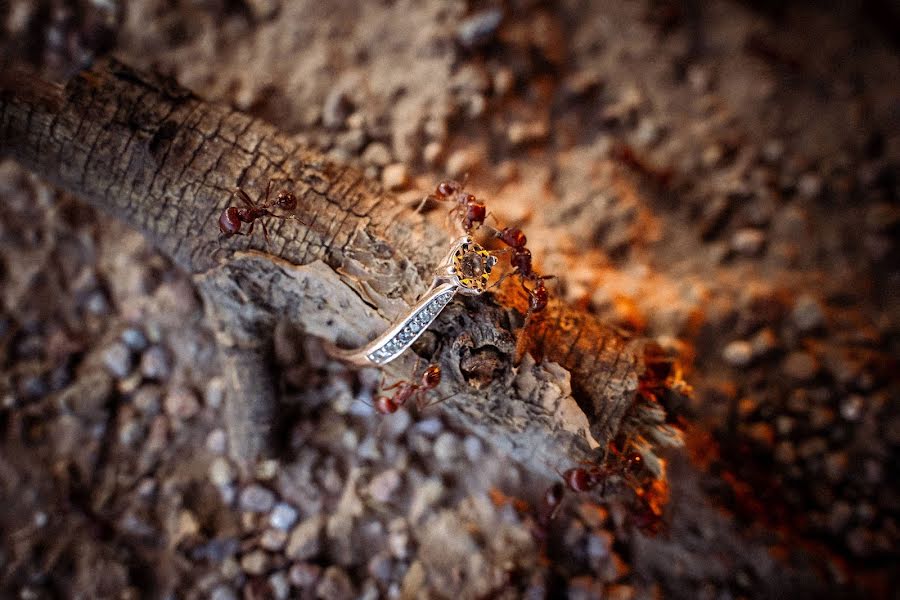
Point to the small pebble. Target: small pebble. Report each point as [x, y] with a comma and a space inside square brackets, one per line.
[384, 485]
[398, 538]
[738, 353]
[306, 539]
[214, 394]
[809, 186]
[223, 592]
[351, 141]
[217, 441]
[381, 567]
[266, 469]
[256, 499]
[748, 241]
[221, 472]
[821, 417]
[473, 448]
[283, 516]
[146, 488]
[479, 28]
[273, 539]
[377, 154]
[446, 447]
[836, 464]
[230, 568]
[97, 304]
[807, 314]
[335, 584]
[395, 176]
[520, 133]
[764, 342]
[784, 425]
[134, 338]
[255, 563]
[130, 432]
[461, 162]
[156, 363]
[432, 153]
[785, 453]
[278, 584]
[117, 360]
[337, 108]
[839, 516]
[801, 366]
[812, 447]
[304, 575]
[426, 495]
[148, 399]
[430, 427]
[181, 403]
[188, 526]
[852, 406]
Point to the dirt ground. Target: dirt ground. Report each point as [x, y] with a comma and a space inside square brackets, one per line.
[722, 177]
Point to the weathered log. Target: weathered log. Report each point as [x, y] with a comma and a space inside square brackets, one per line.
[165, 162]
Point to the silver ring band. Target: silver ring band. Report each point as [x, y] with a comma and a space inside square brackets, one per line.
[466, 269]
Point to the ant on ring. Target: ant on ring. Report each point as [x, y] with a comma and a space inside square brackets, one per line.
[233, 218]
[472, 210]
[538, 296]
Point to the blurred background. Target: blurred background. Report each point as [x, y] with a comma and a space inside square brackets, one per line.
[719, 175]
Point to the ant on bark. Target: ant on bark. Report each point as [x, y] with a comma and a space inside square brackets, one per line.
[473, 211]
[408, 390]
[583, 479]
[233, 218]
[538, 296]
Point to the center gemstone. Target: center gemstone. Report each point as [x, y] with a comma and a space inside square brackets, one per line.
[472, 265]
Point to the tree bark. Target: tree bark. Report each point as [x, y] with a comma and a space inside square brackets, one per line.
[165, 162]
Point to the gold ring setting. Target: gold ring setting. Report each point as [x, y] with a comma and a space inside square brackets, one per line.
[465, 270]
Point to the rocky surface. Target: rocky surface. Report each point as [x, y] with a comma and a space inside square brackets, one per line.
[721, 179]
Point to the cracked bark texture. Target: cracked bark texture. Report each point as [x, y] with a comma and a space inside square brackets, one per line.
[165, 161]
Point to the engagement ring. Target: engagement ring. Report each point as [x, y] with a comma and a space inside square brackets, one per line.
[466, 269]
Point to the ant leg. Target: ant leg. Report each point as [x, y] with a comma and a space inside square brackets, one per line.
[422, 405]
[245, 198]
[422, 204]
[393, 386]
[503, 277]
[265, 231]
[268, 189]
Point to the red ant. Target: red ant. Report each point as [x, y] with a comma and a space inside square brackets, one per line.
[407, 390]
[584, 479]
[550, 504]
[474, 212]
[538, 296]
[232, 218]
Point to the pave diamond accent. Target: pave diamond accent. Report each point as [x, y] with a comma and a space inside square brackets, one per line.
[412, 329]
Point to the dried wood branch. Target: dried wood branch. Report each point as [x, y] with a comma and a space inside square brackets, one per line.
[165, 162]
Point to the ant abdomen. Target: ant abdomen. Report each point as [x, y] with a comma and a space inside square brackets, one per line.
[230, 221]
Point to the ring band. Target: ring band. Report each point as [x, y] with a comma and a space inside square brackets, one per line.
[466, 269]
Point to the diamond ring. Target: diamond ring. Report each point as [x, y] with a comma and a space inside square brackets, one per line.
[465, 270]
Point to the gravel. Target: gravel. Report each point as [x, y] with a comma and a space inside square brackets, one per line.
[283, 516]
[256, 499]
[156, 363]
[118, 360]
[306, 539]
